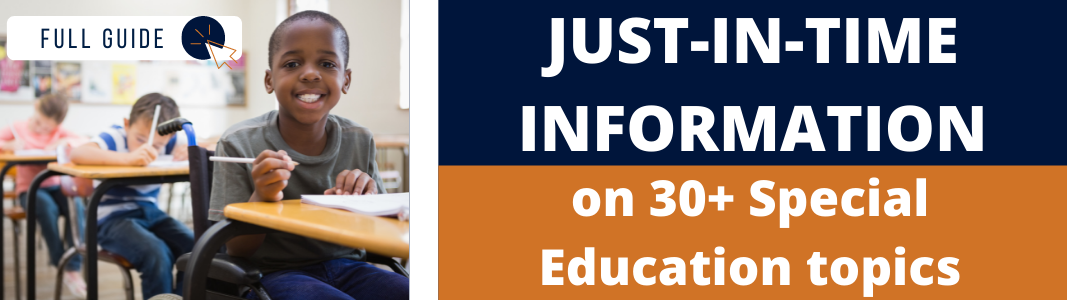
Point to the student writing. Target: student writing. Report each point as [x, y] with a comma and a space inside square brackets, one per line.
[130, 223]
[43, 131]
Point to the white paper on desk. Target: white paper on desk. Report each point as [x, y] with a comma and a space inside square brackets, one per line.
[168, 162]
[375, 205]
[35, 152]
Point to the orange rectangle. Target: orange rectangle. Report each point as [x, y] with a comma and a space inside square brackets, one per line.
[1003, 224]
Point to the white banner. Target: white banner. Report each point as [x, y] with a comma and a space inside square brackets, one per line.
[124, 38]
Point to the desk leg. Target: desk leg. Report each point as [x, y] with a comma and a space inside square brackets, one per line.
[31, 230]
[91, 244]
[90, 235]
[6, 167]
[3, 173]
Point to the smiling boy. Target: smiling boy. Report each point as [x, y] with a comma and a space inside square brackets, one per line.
[308, 60]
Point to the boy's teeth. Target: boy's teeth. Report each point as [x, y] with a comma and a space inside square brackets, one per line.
[308, 97]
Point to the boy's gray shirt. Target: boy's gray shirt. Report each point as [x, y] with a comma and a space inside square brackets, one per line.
[349, 146]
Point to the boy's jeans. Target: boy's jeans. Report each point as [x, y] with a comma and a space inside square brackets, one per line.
[151, 241]
[335, 279]
[51, 203]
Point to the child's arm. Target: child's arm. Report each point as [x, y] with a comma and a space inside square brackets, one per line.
[91, 154]
[270, 173]
[8, 142]
[10, 146]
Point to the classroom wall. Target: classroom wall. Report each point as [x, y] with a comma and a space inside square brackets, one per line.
[373, 27]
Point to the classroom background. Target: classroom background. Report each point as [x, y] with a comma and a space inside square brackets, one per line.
[102, 91]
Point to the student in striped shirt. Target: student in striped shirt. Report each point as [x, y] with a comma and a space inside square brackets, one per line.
[130, 223]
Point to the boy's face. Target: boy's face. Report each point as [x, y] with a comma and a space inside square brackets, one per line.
[42, 125]
[307, 73]
[137, 134]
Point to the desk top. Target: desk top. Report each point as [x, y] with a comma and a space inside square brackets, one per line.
[6, 157]
[105, 172]
[391, 141]
[376, 234]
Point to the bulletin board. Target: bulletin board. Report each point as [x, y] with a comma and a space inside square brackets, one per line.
[197, 83]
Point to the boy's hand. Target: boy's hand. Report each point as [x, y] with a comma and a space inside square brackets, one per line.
[354, 182]
[143, 156]
[270, 173]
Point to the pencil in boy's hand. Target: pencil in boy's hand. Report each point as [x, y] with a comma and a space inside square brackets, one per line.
[152, 133]
[240, 160]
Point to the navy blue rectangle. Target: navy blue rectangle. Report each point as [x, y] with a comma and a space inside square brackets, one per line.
[1008, 55]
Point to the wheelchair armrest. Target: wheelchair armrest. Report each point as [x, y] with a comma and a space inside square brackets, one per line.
[388, 261]
[233, 270]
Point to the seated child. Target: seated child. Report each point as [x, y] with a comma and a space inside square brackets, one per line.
[130, 223]
[308, 59]
[42, 131]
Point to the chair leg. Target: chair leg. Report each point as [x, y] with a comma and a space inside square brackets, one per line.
[18, 267]
[63, 266]
[170, 198]
[127, 282]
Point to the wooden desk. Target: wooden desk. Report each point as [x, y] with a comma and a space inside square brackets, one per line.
[107, 172]
[391, 141]
[110, 176]
[11, 160]
[381, 236]
[376, 234]
[8, 157]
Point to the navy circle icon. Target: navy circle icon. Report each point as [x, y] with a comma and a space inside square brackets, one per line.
[199, 31]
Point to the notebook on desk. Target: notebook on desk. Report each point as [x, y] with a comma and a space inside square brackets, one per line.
[167, 161]
[168, 164]
[375, 205]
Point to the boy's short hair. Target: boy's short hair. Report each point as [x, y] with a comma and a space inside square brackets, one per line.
[309, 15]
[53, 106]
[146, 106]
